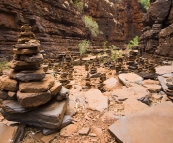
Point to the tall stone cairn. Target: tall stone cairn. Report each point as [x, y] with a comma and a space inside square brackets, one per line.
[29, 94]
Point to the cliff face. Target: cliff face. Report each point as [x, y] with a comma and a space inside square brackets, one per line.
[157, 37]
[59, 25]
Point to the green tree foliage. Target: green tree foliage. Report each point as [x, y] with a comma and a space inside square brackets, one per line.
[83, 47]
[91, 24]
[133, 42]
[79, 5]
[145, 3]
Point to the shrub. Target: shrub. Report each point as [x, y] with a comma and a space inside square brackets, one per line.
[91, 24]
[145, 3]
[79, 5]
[83, 47]
[115, 53]
[133, 42]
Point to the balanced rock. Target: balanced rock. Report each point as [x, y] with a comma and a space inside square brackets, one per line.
[39, 86]
[49, 116]
[28, 100]
[8, 84]
[29, 75]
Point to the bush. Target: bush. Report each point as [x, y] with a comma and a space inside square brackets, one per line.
[79, 5]
[115, 53]
[133, 42]
[83, 47]
[91, 24]
[145, 3]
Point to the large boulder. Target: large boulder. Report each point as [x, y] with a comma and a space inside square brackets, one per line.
[152, 125]
[158, 11]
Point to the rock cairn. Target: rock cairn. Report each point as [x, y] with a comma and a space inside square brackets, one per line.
[32, 93]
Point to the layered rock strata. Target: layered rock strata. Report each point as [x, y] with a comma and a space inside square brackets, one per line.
[59, 25]
[157, 34]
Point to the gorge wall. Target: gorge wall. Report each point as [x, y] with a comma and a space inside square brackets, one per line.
[59, 26]
[157, 36]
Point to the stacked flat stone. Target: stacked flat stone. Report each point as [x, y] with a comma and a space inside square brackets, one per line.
[28, 87]
[132, 64]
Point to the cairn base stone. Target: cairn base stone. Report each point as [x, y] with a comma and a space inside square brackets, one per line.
[49, 116]
[13, 106]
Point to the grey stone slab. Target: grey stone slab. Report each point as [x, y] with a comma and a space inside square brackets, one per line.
[49, 116]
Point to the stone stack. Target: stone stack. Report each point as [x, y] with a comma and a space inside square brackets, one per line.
[67, 71]
[31, 92]
[132, 64]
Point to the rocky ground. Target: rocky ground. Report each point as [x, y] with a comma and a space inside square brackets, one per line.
[94, 112]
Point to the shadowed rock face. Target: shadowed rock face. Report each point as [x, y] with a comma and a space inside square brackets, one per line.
[58, 25]
[158, 34]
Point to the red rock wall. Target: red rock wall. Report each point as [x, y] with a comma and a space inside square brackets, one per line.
[157, 36]
[58, 25]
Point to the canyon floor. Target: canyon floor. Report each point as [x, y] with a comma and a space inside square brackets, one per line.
[92, 116]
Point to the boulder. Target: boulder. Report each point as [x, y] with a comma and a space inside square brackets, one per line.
[29, 100]
[29, 75]
[128, 78]
[136, 91]
[153, 87]
[152, 125]
[96, 100]
[110, 83]
[158, 11]
[133, 105]
[8, 84]
[39, 86]
[49, 116]
[163, 70]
